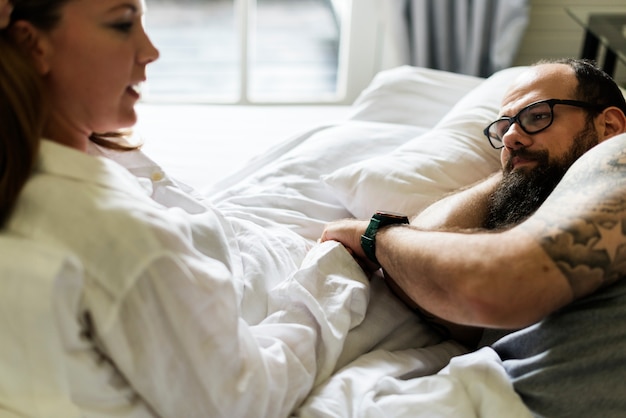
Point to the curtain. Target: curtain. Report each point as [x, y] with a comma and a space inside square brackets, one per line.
[475, 37]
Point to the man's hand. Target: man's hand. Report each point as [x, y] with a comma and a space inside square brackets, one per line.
[348, 232]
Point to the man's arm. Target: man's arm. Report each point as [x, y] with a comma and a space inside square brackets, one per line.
[462, 210]
[569, 248]
[465, 210]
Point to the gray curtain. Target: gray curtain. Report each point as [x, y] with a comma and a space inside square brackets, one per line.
[475, 37]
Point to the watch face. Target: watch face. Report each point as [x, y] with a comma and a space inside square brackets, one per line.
[392, 216]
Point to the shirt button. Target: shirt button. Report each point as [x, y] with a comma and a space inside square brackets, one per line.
[157, 176]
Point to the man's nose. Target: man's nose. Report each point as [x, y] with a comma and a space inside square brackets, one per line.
[516, 138]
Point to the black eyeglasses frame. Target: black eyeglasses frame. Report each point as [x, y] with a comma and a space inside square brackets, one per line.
[551, 103]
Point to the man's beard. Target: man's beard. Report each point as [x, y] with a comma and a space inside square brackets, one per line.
[521, 192]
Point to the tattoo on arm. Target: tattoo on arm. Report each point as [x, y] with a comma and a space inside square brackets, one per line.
[582, 225]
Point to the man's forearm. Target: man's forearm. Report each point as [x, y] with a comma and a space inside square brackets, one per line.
[501, 280]
[466, 209]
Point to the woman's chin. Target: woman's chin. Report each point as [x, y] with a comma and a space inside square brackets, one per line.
[128, 120]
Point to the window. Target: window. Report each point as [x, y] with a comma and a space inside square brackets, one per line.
[244, 51]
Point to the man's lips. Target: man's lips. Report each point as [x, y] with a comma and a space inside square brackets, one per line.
[519, 161]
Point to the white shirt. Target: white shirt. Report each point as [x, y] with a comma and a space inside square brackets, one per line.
[162, 292]
[257, 238]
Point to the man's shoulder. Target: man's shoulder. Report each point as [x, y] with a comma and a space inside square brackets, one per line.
[613, 146]
[604, 161]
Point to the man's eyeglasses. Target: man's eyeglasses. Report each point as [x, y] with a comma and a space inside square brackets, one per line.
[533, 119]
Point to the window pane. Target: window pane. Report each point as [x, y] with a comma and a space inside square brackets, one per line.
[295, 50]
[199, 49]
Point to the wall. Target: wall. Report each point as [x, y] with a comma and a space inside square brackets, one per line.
[552, 33]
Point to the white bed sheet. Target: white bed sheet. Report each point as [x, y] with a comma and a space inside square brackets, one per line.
[408, 383]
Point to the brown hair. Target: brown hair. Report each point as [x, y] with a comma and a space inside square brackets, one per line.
[23, 107]
[22, 113]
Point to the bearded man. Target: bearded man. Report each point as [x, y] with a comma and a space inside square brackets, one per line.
[534, 255]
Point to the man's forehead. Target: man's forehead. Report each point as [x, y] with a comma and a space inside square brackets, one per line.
[540, 82]
[548, 73]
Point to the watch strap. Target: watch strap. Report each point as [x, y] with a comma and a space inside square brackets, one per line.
[378, 220]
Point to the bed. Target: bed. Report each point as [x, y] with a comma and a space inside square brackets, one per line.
[412, 136]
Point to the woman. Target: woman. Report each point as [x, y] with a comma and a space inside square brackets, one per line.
[162, 330]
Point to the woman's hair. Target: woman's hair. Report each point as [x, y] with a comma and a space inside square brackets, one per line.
[23, 106]
[22, 113]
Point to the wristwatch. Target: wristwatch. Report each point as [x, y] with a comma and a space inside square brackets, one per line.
[379, 219]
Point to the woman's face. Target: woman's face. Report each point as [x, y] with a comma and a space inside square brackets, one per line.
[94, 61]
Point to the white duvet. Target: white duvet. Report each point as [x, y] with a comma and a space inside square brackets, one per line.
[391, 365]
[395, 157]
[405, 383]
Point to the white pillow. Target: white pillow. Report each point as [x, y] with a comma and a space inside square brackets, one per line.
[285, 187]
[454, 154]
[297, 168]
[412, 96]
[384, 117]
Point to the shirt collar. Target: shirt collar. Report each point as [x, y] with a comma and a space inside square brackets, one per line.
[63, 161]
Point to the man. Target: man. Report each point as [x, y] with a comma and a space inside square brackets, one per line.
[531, 248]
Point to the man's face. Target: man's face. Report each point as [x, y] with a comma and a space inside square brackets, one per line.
[521, 192]
[548, 81]
[534, 164]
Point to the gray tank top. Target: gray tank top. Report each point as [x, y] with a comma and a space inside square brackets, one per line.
[572, 363]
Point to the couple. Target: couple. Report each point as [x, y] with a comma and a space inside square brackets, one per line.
[69, 71]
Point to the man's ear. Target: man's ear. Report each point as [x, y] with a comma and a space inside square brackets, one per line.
[30, 40]
[613, 122]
